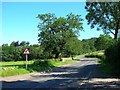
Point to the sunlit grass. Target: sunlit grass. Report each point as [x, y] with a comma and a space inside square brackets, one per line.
[16, 71]
[17, 68]
[4, 64]
[96, 54]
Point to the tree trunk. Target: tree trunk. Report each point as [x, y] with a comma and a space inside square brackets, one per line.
[116, 30]
[72, 58]
[56, 55]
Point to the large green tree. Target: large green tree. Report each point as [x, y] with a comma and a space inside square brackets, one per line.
[54, 32]
[104, 15]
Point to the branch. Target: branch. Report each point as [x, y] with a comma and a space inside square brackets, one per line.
[112, 32]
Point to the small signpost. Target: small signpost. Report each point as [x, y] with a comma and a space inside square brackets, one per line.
[26, 52]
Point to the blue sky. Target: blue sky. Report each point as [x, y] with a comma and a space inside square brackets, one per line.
[19, 22]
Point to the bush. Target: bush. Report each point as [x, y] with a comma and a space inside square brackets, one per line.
[112, 57]
[42, 63]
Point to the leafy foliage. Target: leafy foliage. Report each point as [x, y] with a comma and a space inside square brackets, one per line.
[104, 15]
[103, 42]
[88, 45]
[72, 47]
[96, 54]
[112, 57]
[54, 32]
[15, 53]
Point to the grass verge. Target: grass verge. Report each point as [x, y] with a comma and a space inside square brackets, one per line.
[18, 68]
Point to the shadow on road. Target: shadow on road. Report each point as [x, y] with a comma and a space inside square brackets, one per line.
[88, 76]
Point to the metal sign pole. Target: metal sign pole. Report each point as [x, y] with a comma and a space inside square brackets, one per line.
[26, 61]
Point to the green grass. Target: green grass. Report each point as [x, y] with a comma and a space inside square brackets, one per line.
[17, 68]
[17, 63]
[58, 63]
[96, 54]
[16, 71]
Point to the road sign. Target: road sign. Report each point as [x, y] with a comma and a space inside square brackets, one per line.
[26, 51]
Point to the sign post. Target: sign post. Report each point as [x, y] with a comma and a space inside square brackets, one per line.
[26, 52]
[26, 61]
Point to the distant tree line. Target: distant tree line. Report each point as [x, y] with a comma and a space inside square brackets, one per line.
[74, 46]
[14, 51]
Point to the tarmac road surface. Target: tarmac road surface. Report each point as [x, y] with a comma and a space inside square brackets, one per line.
[84, 74]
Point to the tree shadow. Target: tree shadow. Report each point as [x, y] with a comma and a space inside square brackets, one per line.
[42, 66]
[66, 77]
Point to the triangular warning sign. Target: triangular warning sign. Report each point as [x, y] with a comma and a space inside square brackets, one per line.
[26, 51]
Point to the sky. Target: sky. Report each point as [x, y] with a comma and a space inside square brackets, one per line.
[19, 22]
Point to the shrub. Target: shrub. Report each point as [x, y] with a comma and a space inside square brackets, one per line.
[112, 57]
[42, 63]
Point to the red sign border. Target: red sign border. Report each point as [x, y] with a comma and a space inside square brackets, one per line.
[27, 49]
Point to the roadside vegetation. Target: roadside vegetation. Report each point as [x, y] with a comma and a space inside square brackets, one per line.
[109, 58]
[112, 58]
[96, 54]
[106, 16]
[13, 62]
[58, 38]
[18, 68]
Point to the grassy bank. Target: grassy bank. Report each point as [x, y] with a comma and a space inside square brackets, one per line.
[97, 54]
[17, 68]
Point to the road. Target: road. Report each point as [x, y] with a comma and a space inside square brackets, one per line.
[85, 74]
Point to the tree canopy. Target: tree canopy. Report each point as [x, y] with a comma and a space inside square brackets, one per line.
[54, 32]
[73, 46]
[104, 15]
